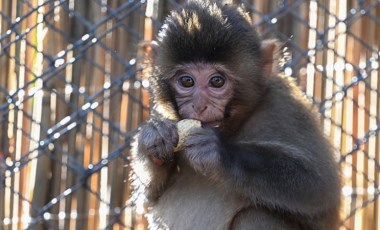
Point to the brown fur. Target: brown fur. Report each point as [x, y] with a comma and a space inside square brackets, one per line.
[267, 166]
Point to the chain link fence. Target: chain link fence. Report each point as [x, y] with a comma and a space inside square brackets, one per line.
[72, 93]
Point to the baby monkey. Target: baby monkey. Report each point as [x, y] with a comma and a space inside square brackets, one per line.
[256, 159]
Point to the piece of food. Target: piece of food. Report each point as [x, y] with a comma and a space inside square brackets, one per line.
[184, 127]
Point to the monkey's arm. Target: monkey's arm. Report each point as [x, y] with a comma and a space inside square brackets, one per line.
[153, 155]
[274, 174]
[282, 176]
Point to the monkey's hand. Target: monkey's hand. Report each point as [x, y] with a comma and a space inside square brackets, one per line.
[202, 149]
[158, 139]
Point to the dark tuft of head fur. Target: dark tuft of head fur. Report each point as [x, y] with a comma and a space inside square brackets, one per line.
[207, 31]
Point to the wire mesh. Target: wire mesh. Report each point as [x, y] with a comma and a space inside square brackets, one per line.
[72, 94]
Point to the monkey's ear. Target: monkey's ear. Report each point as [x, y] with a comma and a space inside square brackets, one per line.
[147, 50]
[146, 54]
[270, 51]
[154, 46]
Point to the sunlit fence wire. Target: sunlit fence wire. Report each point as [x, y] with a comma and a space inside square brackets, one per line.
[72, 92]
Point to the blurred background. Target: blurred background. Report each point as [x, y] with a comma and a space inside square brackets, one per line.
[73, 91]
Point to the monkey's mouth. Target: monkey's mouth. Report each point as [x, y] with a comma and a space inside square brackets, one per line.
[211, 124]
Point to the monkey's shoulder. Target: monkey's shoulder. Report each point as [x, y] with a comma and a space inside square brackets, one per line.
[285, 99]
[284, 114]
[286, 89]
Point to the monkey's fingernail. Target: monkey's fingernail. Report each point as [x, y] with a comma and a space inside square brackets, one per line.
[157, 161]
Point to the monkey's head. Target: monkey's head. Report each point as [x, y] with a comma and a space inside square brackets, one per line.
[210, 63]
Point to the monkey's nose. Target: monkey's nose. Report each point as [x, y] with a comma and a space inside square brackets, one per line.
[199, 109]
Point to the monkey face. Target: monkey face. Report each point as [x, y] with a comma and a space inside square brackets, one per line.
[202, 92]
[205, 37]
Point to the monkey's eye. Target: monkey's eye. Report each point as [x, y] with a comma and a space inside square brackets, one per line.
[186, 81]
[217, 81]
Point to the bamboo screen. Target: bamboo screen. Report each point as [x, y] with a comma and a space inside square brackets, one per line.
[72, 93]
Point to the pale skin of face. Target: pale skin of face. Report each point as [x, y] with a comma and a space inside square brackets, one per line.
[202, 92]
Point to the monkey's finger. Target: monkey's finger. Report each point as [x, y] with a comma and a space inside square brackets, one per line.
[168, 131]
[201, 136]
[174, 137]
[162, 150]
[198, 145]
